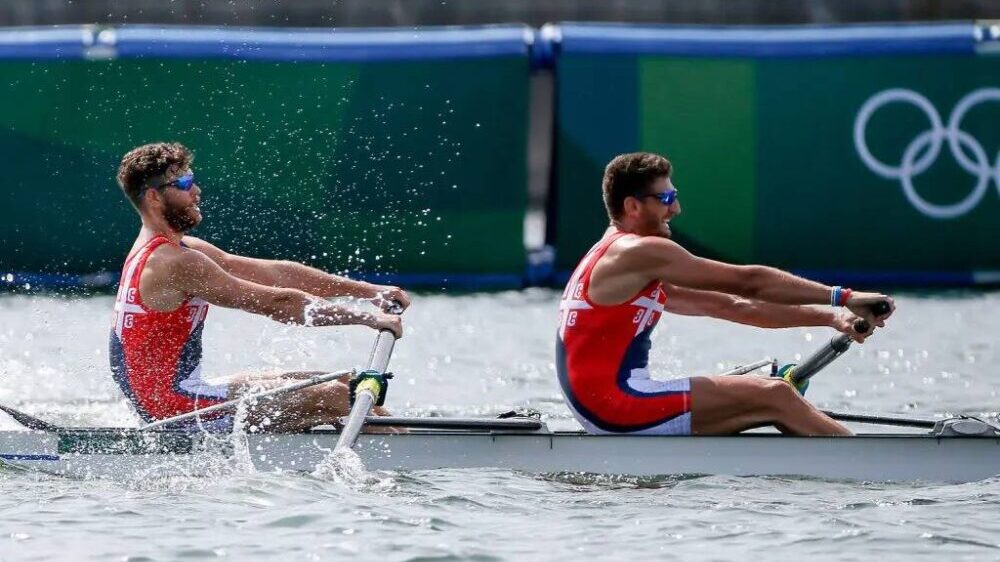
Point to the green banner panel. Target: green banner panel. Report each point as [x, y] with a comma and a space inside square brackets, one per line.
[408, 163]
[856, 151]
[860, 170]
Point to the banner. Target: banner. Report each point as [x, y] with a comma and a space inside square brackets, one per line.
[383, 152]
[845, 152]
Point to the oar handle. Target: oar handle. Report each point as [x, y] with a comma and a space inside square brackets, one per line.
[878, 309]
[382, 350]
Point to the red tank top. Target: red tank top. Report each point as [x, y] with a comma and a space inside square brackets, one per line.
[599, 348]
[154, 353]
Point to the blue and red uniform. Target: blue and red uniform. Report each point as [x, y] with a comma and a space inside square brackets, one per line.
[156, 356]
[602, 356]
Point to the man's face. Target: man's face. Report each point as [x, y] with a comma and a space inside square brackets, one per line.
[180, 207]
[654, 215]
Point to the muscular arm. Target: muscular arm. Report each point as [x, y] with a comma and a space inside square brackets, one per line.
[692, 302]
[196, 275]
[286, 274]
[663, 259]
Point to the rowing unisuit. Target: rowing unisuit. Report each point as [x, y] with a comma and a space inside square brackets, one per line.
[156, 356]
[602, 356]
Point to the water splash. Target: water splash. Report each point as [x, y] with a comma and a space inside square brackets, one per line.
[345, 467]
[238, 438]
[312, 311]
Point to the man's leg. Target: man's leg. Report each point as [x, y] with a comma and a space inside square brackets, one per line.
[727, 405]
[321, 404]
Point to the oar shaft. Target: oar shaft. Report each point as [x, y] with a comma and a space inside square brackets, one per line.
[364, 402]
[880, 419]
[365, 393]
[744, 369]
[28, 421]
[837, 346]
[231, 404]
[454, 423]
[823, 357]
[382, 351]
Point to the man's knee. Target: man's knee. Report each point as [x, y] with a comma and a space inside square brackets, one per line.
[778, 395]
[332, 395]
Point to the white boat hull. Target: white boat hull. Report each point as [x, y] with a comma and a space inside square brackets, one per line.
[877, 457]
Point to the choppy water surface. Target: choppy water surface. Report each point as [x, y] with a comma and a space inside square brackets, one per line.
[480, 354]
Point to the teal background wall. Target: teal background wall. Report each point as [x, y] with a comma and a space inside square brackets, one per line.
[760, 128]
[401, 154]
[350, 158]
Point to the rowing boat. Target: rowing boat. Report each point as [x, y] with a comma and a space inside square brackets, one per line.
[956, 450]
[961, 449]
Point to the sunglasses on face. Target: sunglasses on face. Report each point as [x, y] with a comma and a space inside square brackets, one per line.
[183, 183]
[667, 197]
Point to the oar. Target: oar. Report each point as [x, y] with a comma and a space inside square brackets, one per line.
[30, 422]
[232, 404]
[368, 388]
[744, 369]
[455, 423]
[832, 350]
[882, 419]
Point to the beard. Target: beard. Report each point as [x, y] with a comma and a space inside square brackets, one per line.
[181, 219]
[656, 227]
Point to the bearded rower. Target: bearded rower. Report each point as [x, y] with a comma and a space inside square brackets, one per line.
[168, 282]
[619, 290]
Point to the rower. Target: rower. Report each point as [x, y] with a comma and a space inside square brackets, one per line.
[168, 282]
[634, 274]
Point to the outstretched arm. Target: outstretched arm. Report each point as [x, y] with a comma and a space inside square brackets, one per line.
[692, 302]
[293, 275]
[196, 275]
[674, 265]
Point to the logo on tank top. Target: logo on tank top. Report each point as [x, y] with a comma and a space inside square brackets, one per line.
[570, 306]
[648, 306]
[126, 309]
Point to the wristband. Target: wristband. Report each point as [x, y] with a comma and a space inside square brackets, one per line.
[835, 296]
[845, 295]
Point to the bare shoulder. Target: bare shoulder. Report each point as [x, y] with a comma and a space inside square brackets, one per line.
[217, 255]
[159, 284]
[171, 263]
[648, 250]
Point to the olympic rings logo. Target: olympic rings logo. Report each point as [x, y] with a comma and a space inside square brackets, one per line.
[925, 148]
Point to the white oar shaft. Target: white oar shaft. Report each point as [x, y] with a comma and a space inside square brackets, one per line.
[365, 398]
[230, 404]
[382, 351]
[363, 404]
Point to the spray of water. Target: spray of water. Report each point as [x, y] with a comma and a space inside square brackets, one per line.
[346, 468]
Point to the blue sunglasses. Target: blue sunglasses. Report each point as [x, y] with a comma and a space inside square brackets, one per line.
[183, 183]
[667, 197]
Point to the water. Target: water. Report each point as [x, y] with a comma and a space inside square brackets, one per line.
[479, 355]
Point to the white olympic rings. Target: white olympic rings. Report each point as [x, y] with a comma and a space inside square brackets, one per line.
[911, 165]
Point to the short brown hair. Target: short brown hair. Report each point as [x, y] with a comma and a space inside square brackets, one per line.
[149, 161]
[628, 175]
